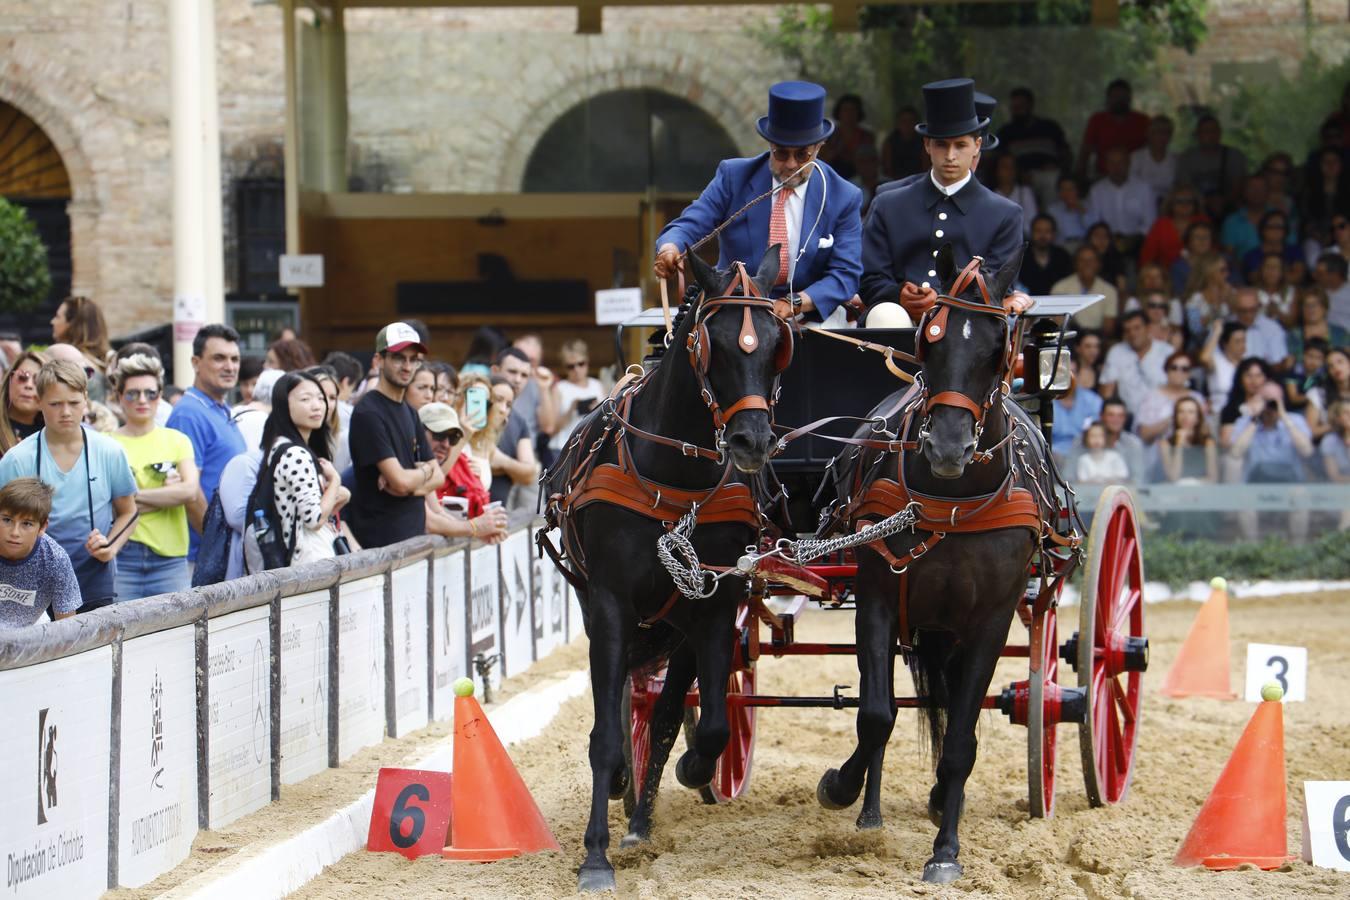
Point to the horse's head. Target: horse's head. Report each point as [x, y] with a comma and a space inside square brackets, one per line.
[964, 349]
[738, 347]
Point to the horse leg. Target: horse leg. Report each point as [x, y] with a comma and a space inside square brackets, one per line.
[969, 672]
[875, 632]
[667, 717]
[608, 657]
[712, 639]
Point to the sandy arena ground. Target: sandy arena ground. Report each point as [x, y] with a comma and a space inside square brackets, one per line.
[777, 842]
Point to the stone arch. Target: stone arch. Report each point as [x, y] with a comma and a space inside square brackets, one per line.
[733, 108]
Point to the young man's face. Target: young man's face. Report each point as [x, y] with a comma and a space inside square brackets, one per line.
[952, 158]
[63, 407]
[397, 368]
[18, 535]
[515, 371]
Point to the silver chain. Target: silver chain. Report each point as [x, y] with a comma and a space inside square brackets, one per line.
[805, 551]
[677, 554]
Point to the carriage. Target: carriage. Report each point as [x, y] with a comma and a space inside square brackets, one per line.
[1106, 653]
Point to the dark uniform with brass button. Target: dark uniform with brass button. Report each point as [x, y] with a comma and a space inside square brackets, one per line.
[906, 226]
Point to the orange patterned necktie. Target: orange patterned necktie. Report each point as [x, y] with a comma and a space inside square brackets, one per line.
[778, 233]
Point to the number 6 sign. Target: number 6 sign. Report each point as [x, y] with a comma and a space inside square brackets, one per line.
[1326, 824]
[1286, 666]
[411, 814]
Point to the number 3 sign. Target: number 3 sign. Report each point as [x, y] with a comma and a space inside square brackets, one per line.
[1326, 824]
[411, 814]
[1286, 666]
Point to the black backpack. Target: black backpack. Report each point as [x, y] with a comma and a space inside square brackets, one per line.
[213, 553]
[274, 553]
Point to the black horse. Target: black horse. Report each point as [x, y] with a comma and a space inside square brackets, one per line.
[722, 362]
[962, 593]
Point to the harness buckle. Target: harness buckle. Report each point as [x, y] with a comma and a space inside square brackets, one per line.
[690, 450]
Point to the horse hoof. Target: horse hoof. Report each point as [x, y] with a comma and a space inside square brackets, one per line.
[632, 839]
[619, 786]
[825, 792]
[594, 881]
[869, 820]
[941, 872]
[686, 777]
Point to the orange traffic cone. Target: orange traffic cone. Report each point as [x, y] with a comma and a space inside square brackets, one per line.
[1243, 819]
[493, 814]
[1201, 667]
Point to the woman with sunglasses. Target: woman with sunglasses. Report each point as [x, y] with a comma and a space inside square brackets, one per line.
[154, 561]
[576, 394]
[20, 412]
[1154, 416]
[1163, 243]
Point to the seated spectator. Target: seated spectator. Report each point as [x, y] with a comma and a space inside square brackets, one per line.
[1241, 230]
[1330, 276]
[1005, 182]
[251, 417]
[1098, 463]
[1197, 244]
[1126, 204]
[422, 388]
[1223, 350]
[1114, 418]
[1212, 167]
[1045, 262]
[1088, 352]
[1087, 267]
[1208, 294]
[79, 322]
[488, 521]
[902, 150]
[36, 575]
[1244, 400]
[1308, 372]
[250, 367]
[1154, 163]
[1154, 418]
[484, 346]
[1265, 337]
[576, 395]
[1135, 366]
[1115, 266]
[1335, 449]
[1274, 290]
[1163, 243]
[1278, 169]
[20, 410]
[841, 150]
[1116, 126]
[94, 502]
[1036, 143]
[1272, 445]
[1326, 191]
[1071, 215]
[289, 355]
[1160, 325]
[1274, 241]
[154, 560]
[1074, 410]
[1188, 454]
[1332, 388]
[1153, 280]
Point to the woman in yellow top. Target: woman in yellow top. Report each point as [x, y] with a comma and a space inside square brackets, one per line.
[154, 561]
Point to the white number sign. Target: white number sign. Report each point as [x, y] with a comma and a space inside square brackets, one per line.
[1286, 666]
[1326, 824]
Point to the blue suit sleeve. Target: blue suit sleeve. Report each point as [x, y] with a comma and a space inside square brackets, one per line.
[703, 215]
[840, 280]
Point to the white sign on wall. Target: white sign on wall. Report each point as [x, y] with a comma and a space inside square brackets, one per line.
[617, 305]
[360, 665]
[484, 635]
[1326, 824]
[304, 686]
[1286, 666]
[239, 715]
[448, 631]
[54, 776]
[517, 621]
[157, 807]
[410, 648]
[301, 270]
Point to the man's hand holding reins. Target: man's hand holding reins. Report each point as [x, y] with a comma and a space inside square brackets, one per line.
[668, 261]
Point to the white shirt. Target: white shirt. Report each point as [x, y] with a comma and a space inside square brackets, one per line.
[1220, 381]
[792, 211]
[1128, 208]
[1134, 377]
[948, 190]
[1266, 339]
[1159, 176]
[1338, 312]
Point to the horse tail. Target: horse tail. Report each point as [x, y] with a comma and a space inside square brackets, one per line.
[928, 668]
[650, 648]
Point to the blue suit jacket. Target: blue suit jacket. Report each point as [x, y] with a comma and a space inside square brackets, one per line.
[831, 262]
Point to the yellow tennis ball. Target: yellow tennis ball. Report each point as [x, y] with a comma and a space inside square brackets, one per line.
[1218, 583]
[463, 687]
[1271, 690]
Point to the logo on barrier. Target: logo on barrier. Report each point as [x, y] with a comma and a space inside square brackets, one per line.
[320, 658]
[260, 696]
[47, 759]
[407, 641]
[522, 594]
[156, 730]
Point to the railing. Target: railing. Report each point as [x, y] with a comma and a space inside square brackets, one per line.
[130, 728]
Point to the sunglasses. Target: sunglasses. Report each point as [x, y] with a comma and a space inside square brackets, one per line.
[22, 377]
[1179, 367]
[150, 395]
[451, 437]
[579, 364]
[800, 154]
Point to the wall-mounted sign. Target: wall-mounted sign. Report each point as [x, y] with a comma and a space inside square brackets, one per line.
[301, 270]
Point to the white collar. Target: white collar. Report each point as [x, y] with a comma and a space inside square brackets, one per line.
[799, 190]
[946, 190]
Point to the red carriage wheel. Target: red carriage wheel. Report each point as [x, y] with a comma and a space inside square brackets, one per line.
[637, 705]
[1111, 649]
[1043, 714]
[733, 767]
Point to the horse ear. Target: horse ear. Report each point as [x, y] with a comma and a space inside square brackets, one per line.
[704, 275]
[769, 266]
[1003, 281]
[946, 266]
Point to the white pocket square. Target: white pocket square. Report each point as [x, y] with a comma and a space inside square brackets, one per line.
[826, 241]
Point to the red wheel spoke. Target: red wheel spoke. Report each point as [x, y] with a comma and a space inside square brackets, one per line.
[1125, 610]
[1117, 737]
[1127, 712]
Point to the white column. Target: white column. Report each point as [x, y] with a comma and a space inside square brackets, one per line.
[211, 194]
[188, 152]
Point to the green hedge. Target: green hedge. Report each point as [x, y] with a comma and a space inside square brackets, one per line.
[1181, 561]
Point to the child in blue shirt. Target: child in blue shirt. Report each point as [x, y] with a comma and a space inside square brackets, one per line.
[35, 573]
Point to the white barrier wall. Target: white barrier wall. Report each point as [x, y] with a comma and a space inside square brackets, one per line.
[483, 611]
[449, 651]
[240, 714]
[409, 611]
[360, 666]
[517, 604]
[55, 772]
[304, 685]
[157, 794]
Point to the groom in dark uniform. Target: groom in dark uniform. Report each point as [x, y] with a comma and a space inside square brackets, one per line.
[906, 226]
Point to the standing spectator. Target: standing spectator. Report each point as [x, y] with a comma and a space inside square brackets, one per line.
[1335, 448]
[251, 417]
[203, 416]
[841, 149]
[1115, 126]
[422, 388]
[1154, 417]
[1334, 387]
[1134, 367]
[1045, 261]
[20, 411]
[1224, 349]
[1208, 293]
[489, 524]
[1271, 445]
[1037, 144]
[237, 481]
[1088, 351]
[1074, 410]
[163, 409]
[1126, 204]
[1326, 191]
[537, 396]
[1084, 280]
[394, 466]
[902, 150]
[79, 322]
[1071, 214]
[1197, 243]
[1313, 311]
[1098, 463]
[447, 382]
[289, 355]
[35, 573]
[1006, 184]
[484, 346]
[348, 372]
[1115, 267]
[337, 438]
[1188, 453]
[1154, 163]
[469, 474]
[94, 502]
[154, 560]
[1241, 230]
[515, 367]
[1212, 167]
[1330, 276]
[1163, 244]
[1114, 419]
[250, 367]
[1265, 337]
[515, 472]
[576, 395]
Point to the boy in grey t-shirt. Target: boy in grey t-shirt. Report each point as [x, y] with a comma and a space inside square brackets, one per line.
[35, 573]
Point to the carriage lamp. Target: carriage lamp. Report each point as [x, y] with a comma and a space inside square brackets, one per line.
[1049, 368]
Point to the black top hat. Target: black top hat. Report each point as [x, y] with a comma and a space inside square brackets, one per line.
[949, 106]
[796, 115]
[984, 108]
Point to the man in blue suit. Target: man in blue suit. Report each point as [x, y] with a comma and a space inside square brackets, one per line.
[813, 214]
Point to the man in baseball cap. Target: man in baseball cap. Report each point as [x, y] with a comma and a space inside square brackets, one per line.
[397, 336]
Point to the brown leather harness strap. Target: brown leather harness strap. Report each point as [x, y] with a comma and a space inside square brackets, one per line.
[954, 398]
